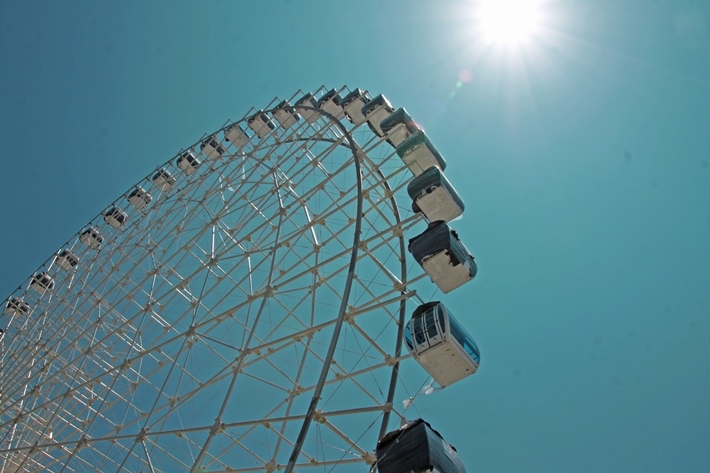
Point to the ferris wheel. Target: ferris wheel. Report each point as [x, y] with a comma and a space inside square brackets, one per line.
[241, 308]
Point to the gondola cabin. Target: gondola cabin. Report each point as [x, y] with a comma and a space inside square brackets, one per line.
[139, 198]
[212, 148]
[189, 163]
[91, 238]
[444, 258]
[330, 103]
[67, 260]
[375, 111]
[419, 154]
[163, 180]
[42, 282]
[261, 124]
[352, 106]
[236, 135]
[309, 113]
[440, 344]
[433, 195]
[416, 448]
[16, 306]
[286, 115]
[398, 127]
[115, 217]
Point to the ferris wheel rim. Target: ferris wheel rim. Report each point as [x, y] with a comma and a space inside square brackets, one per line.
[355, 250]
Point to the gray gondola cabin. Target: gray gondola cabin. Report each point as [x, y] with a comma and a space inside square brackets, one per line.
[189, 163]
[236, 135]
[67, 260]
[419, 154]
[444, 258]
[261, 124]
[309, 113]
[330, 103]
[115, 217]
[352, 106]
[92, 238]
[139, 198]
[416, 447]
[398, 127]
[433, 195]
[16, 306]
[286, 115]
[212, 148]
[375, 111]
[163, 180]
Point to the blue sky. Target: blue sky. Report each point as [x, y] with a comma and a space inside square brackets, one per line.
[582, 156]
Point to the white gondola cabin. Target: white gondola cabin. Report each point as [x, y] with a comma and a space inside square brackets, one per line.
[330, 103]
[375, 111]
[398, 127]
[92, 238]
[236, 135]
[42, 283]
[67, 260]
[212, 148]
[352, 106]
[16, 306]
[163, 180]
[419, 154]
[286, 115]
[308, 114]
[115, 217]
[189, 163]
[444, 258]
[433, 195]
[139, 198]
[261, 124]
[416, 447]
[440, 344]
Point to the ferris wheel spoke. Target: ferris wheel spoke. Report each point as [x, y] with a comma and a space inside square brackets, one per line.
[241, 358]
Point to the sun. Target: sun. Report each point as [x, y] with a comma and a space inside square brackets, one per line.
[508, 22]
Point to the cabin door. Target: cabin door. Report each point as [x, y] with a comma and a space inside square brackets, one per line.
[427, 330]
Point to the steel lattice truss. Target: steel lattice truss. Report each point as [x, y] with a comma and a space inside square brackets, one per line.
[201, 324]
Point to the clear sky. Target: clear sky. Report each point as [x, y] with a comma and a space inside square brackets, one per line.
[582, 153]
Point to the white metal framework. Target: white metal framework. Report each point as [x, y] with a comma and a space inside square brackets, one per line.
[190, 331]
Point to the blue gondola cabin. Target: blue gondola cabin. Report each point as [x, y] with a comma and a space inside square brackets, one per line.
[416, 448]
[433, 195]
[398, 127]
[261, 124]
[440, 344]
[444, 258]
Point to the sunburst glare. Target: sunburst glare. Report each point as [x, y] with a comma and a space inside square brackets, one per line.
[508, 22]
